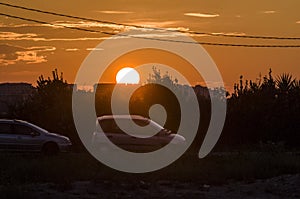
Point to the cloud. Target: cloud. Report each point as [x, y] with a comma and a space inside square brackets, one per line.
[4, 61]
[10, 54]
[2, 25]
[73, 39]
[71, 24]
[90, 49]
[219, 33]
[269, 12]
[148, 23]
[42, 48]
[30, 57]
[8, 49]
[159, 35]
[71, 49]
[114, 12]
[230, 33]
[12, 36]
[61, 24]
[85, 24]
[203, 15]
[17, 36]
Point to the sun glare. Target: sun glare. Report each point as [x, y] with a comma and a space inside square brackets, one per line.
[128, 75]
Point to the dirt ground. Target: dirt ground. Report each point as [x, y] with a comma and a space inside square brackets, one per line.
[287, 186]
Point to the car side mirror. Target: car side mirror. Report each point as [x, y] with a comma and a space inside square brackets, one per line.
[162, 133]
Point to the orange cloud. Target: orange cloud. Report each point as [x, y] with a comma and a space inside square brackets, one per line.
[114, 12]
[204, 15]
[12, 36]
[10, 55]
[30, 57]
[269, 12]
[71, 49]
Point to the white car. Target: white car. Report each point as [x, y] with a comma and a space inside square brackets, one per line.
[18, 135]
[133, 141]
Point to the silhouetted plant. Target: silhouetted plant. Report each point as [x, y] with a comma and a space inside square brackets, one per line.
[165, 79]
[285, 83]
[51, 106]
[266, 111]
[259, 111]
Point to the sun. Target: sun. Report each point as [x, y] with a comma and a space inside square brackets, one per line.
[128, 75]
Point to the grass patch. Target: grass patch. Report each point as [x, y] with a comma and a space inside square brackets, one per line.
[214, 169]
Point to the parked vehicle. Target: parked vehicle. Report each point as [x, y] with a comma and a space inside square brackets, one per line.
[18, 135]
[107, 126]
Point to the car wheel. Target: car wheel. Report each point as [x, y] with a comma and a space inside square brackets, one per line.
[50, 149]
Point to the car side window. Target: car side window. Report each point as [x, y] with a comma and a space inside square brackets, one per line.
[5, 128]
[105, 125]
[110, 126]
[141, 123]
[24, 130]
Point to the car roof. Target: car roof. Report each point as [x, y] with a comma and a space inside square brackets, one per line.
[135, 117]
[12, 121]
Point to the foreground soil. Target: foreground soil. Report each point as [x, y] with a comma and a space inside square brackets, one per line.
[286, 186]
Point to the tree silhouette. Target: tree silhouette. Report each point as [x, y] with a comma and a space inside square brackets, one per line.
[51, 106]
[264, 111]
[259, 111]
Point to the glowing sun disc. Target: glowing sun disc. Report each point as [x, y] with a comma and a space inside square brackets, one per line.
[128, 75]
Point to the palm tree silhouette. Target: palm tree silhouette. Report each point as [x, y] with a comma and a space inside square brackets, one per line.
[285, 83]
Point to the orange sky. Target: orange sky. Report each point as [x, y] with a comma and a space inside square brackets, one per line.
[29, 49]
[140, 57]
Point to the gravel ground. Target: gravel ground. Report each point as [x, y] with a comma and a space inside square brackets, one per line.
[287, 186]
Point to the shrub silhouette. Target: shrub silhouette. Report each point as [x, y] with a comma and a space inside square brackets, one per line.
[265, 110]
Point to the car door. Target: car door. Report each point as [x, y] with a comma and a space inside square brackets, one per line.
[110, 129]
[117, 136]
[7, 137]
[27, 138]
[163, 138]
[137, 143]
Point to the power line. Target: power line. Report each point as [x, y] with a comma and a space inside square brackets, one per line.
[156, 39]
[51, 24]
[152, 28]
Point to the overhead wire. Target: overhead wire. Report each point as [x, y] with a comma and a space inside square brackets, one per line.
[152, 28]
[151, 38]
[142, 37]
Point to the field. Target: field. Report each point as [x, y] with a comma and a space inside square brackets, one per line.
[28, 173]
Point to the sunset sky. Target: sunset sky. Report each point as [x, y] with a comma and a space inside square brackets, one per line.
[29, 49]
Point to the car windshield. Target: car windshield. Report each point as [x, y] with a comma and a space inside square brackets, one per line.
[38, 128]
[156, 126]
